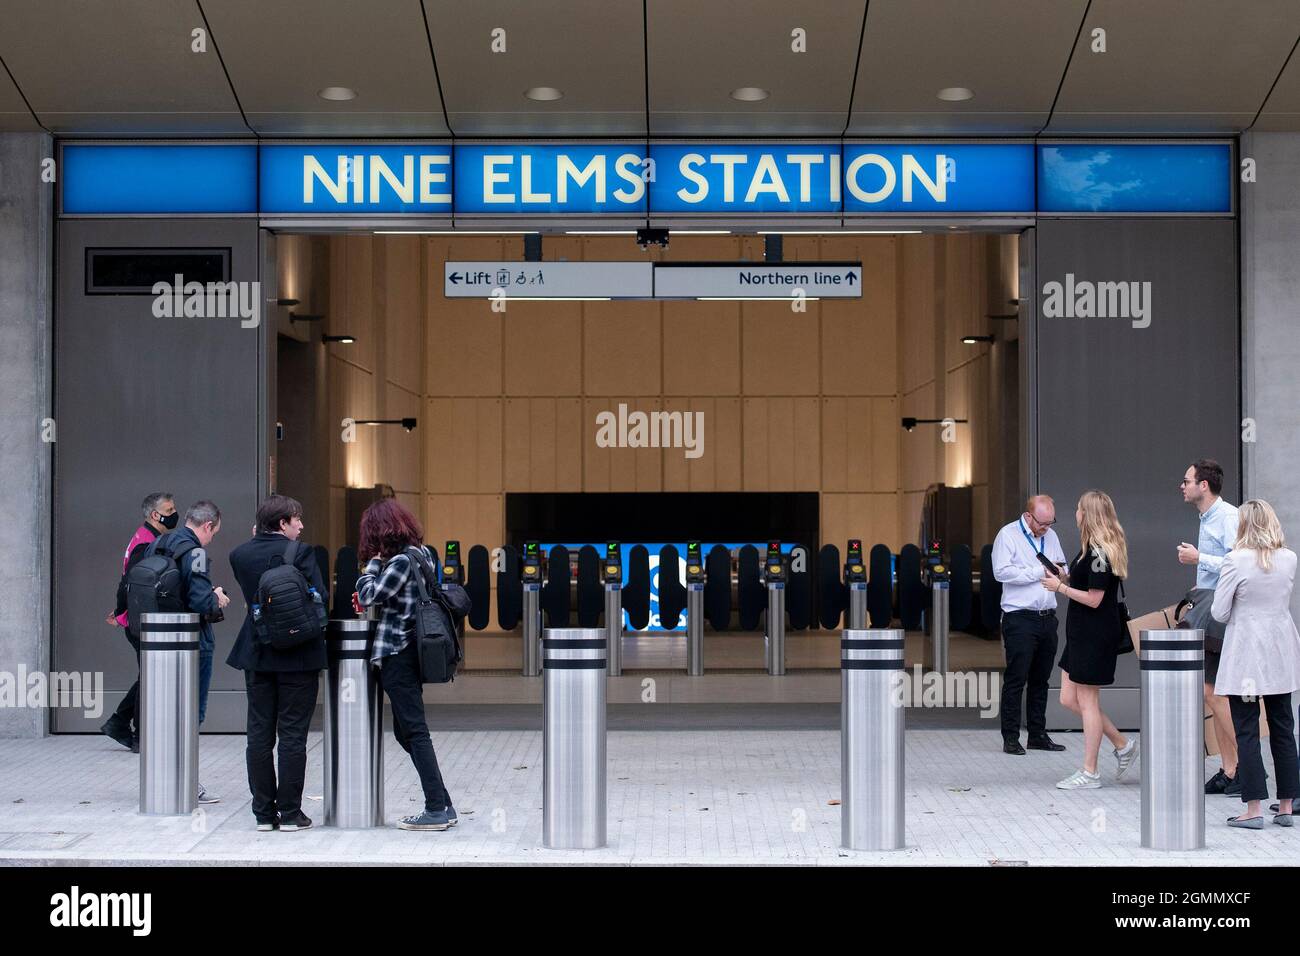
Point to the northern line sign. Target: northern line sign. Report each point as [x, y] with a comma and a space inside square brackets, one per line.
[789, 178]
[650, 280]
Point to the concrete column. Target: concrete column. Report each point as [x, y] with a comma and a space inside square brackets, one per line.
[26, 257]
[1270, 298]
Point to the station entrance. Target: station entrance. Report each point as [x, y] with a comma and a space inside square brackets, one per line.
[680, 439]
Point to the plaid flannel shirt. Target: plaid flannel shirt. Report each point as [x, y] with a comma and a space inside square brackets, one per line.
[390, 586]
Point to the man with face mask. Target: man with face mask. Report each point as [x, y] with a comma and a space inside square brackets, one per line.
[159, 517]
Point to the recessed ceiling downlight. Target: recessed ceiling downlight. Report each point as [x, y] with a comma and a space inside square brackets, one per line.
[955, 94]
[337, 93]
[543, 94]
[750, 94]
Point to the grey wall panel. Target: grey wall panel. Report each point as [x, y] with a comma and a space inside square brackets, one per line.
[147, 404]
[1127, 409]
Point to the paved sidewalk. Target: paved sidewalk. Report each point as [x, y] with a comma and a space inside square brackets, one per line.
[675, 797]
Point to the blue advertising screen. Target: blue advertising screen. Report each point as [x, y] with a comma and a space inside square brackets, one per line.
[1135, 177]
[143, 179]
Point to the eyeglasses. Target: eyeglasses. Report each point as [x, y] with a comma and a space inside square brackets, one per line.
[1045, 524]
[1188, 481]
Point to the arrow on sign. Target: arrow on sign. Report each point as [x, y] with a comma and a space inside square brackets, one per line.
[851, 277]
[454, 277]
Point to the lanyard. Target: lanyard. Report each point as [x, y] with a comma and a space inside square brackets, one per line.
[1028, 537]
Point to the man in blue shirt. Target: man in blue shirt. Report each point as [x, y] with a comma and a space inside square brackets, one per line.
[1218, 533]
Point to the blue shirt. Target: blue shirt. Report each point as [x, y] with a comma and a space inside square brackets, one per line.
[1217, 536]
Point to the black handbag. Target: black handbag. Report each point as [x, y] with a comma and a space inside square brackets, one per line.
[1198, 602]
[436, 640]
[1125, 635]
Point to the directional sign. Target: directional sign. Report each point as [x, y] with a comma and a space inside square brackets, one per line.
[820, 280]
[548, 280]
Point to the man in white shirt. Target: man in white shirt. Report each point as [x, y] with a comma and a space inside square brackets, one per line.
[1201, 486]
[1028, 621]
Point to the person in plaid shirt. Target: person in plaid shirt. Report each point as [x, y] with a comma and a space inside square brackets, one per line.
[388, 583]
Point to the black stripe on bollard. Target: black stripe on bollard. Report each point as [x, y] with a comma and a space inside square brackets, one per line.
[595, 644]
[867, 644]
[148, 627]
[878, 665]
[168, 645]
[593, 664]
[360, 654]
[1154, 645]
[1195, 665]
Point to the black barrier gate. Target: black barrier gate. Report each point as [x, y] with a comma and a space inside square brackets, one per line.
[510, 590]
[555, 592]
[880, 587]
[476, 585]
[912, 598]
[717, 588]
[959, 595]
[345, 583]
[798, 590]
[591, 592]
[750, 593]
[832, 592]
[672, 593]
[990, 594]
[636, 592]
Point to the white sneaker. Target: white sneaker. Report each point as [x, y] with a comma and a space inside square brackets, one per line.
[205, 797]
[1126, 758]
[1081, 780]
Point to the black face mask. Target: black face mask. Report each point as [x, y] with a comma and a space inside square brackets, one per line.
[169, 521]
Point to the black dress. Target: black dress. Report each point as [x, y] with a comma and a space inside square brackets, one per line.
[1092, 633]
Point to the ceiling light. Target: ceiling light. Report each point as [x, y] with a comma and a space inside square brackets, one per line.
[452, 232]
[337, 93]
[843, 232]
[340, 339]
[543, 94]
[701, 232]
[750, 94]
[600, 232]
[955, 94]
[972, 339]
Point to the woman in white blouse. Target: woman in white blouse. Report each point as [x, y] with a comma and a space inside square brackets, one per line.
[1261, 658]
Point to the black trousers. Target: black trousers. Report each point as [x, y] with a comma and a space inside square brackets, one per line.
[1250, 763]
[129, 708]
[1029, 639]
[280, 704]
[400, 678]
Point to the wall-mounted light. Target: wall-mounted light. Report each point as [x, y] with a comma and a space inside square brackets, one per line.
[910, 423]
[286, 302]
[972, 339]
[407, 423]
[1008, 317]
[295, 317]
[340, 339]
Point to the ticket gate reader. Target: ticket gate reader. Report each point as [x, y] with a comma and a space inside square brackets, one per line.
[774, 577]
[935, 656]
[855, 578]
[611, 574]
[453, 572]
[695, 609]
[531, 573]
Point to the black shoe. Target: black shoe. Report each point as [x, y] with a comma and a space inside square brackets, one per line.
[295, 821]
[135, 743]
[1012, 746]
[1218, 783]
[119, 730]
[1044, 743]
[1233, 787]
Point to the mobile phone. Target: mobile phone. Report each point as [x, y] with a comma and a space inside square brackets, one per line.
[1046, 562]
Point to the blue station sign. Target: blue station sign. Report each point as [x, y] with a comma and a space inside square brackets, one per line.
[789, 178]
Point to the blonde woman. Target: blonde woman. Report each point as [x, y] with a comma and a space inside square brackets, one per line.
[1261, 658]
[1092, 633]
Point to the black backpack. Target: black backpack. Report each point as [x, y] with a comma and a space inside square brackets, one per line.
[287, 610]
[138, 552]
[154, 584]
[438, 612]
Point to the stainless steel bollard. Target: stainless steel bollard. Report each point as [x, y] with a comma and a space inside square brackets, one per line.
[169, 713]
[936, 644]
[1173, 739]
[774, 633]
[532, 629]
[857, 619]
[354, 728]
[694, 629]
[614, 627]
[573, 738]
[871, 739]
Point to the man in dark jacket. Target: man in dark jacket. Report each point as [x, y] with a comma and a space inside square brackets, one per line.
[282, 684]
[188, 545]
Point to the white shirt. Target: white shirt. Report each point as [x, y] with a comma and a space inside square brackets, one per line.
[1217, 535]
[1017, 568]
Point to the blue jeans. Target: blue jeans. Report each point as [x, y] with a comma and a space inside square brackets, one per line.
[206, 647]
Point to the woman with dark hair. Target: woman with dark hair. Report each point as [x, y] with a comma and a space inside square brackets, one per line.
[388, 583]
